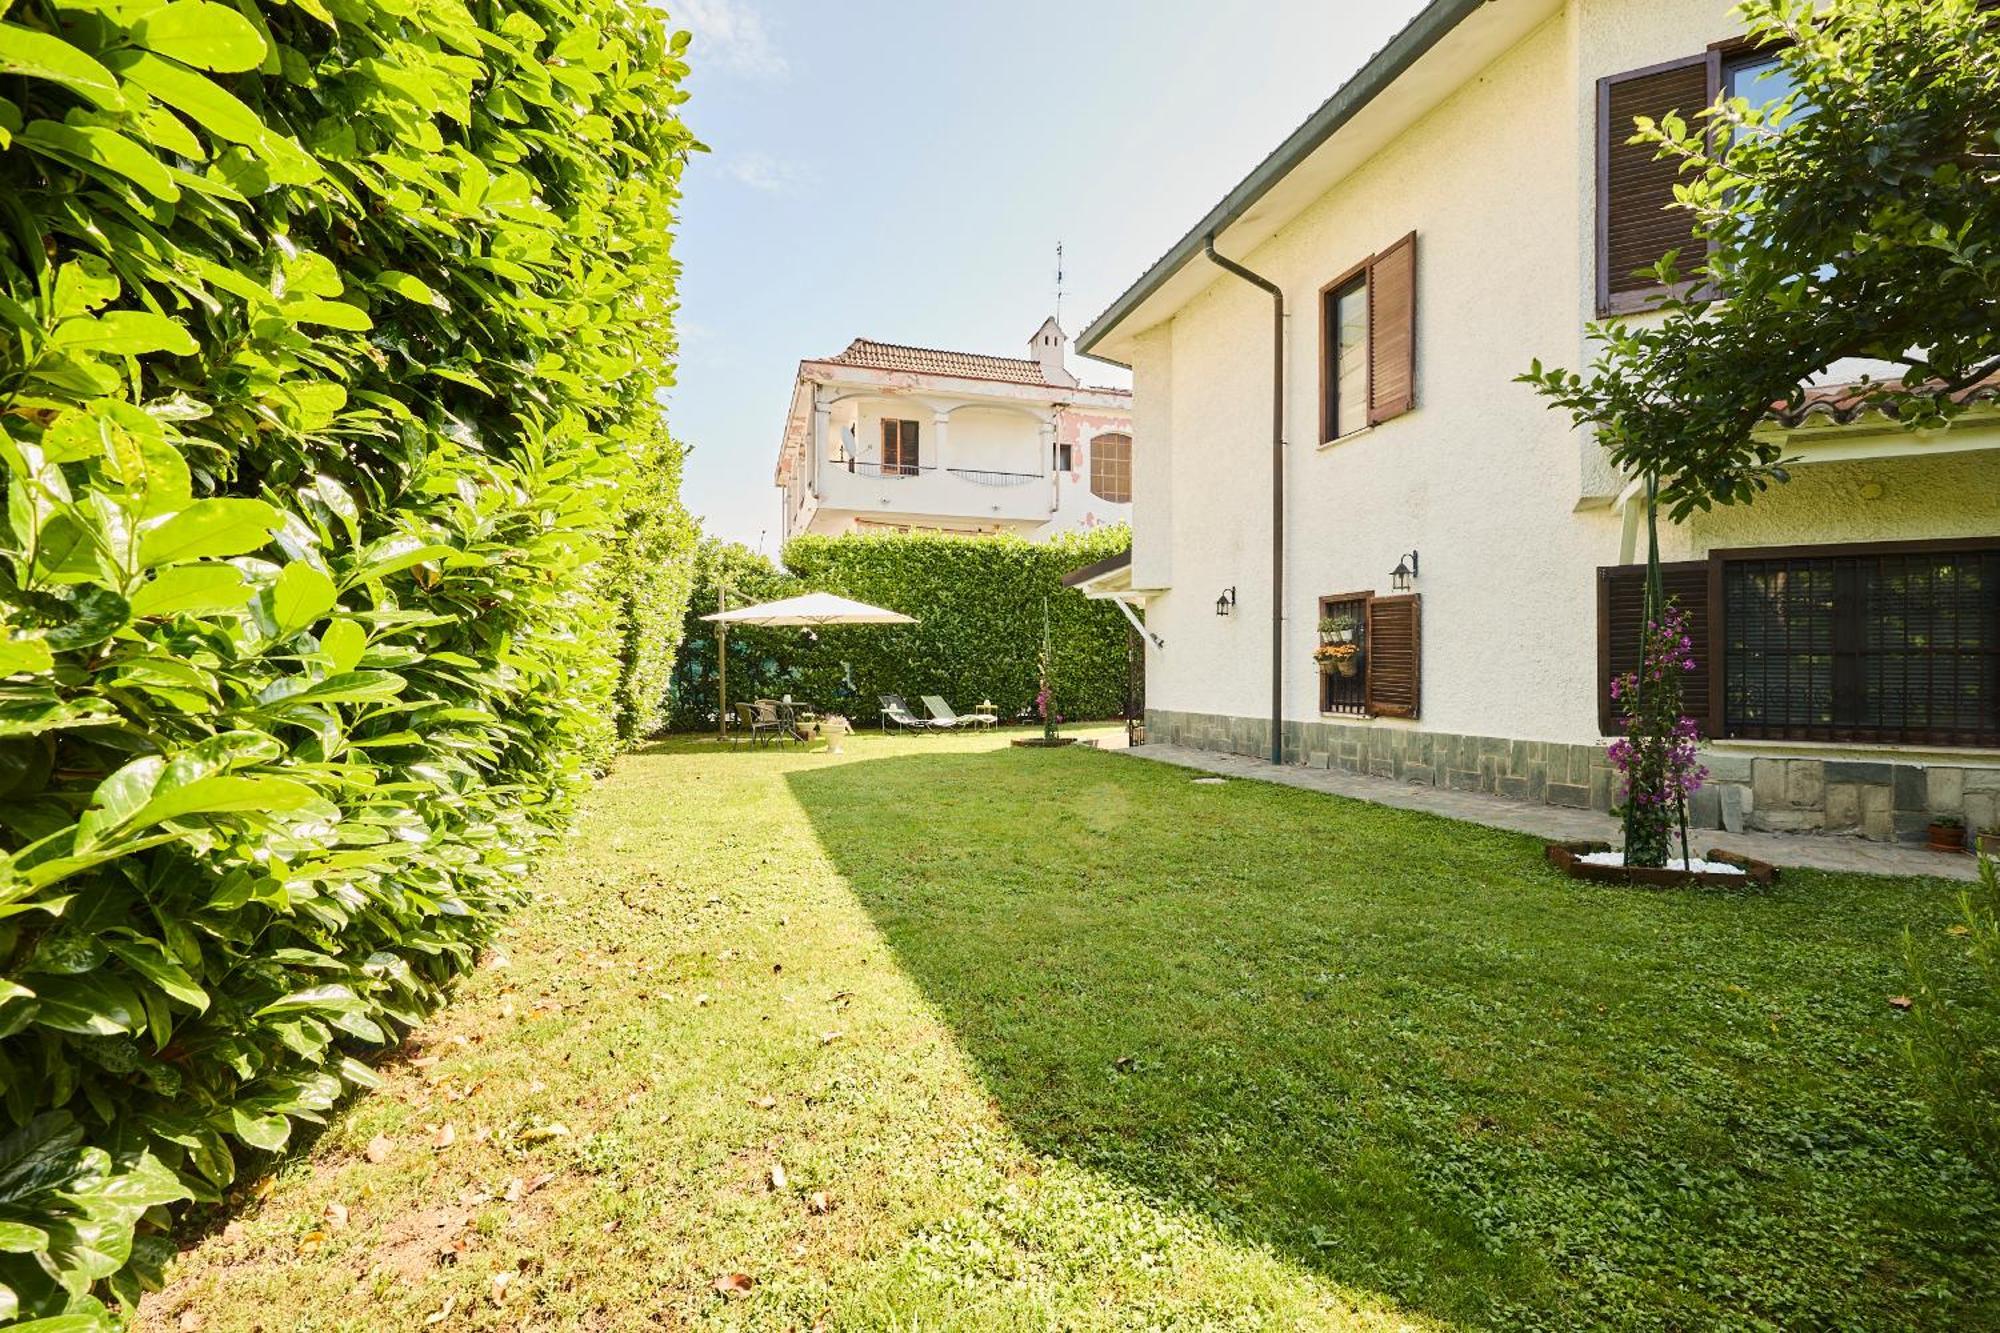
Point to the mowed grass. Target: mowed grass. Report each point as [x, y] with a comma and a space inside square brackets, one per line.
[1067, 1040]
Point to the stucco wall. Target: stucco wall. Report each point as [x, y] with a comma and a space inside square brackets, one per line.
[1499, 184]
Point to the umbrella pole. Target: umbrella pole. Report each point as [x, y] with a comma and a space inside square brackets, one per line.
[722, 666]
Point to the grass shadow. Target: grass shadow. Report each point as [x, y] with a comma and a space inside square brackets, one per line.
[1403, 1052]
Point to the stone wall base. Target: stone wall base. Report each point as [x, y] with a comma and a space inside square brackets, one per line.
[1884, 800]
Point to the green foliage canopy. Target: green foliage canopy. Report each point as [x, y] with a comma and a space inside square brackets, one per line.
[978, 604]
[1859, 218]
[329, 334]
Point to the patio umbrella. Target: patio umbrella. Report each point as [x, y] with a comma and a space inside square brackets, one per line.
[813, 608]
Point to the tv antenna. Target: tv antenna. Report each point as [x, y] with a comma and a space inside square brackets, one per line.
[1059, 281]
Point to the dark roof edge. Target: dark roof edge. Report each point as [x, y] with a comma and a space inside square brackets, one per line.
[1097, 571]
[1418, 36]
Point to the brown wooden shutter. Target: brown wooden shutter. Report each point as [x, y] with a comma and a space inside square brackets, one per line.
[1621, 603]
[1392, 331]
[1636, 223]
[1394, 655]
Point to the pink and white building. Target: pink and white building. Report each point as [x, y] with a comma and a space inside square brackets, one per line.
[886, 437]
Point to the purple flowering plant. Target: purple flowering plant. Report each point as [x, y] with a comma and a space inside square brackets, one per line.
[1655, 758]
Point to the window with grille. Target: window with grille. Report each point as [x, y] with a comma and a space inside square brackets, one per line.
[1111, 468]
[1344, 623]
[1897, 646]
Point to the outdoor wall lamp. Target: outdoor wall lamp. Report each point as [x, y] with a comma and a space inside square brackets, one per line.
[1227, 602]
[1405, 570]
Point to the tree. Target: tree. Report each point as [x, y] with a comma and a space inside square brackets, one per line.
[1858, 218]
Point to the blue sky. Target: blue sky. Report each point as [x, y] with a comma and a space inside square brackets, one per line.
[903, 171]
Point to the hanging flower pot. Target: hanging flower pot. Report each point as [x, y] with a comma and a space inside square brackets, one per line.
[1344, 658]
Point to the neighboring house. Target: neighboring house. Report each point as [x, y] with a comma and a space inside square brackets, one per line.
[1464, 204]
[890, 438]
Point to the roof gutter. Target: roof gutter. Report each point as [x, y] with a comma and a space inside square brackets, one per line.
[1277, 489]
[1384, 68]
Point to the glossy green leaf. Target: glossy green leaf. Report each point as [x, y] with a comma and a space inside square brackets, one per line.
[105, 148]
[200, 589]
[300, 599]
[202, 34]
[123, 333]
[38, 55]
[209, 528]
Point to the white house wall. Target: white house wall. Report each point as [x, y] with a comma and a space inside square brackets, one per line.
[1504, 501]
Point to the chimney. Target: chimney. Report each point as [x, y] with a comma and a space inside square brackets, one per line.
[1047, 346]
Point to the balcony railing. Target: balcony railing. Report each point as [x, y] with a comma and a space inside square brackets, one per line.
[979, 476]
[864, 468]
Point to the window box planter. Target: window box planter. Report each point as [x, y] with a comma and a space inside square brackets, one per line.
[1988, 843]
[1570, 858]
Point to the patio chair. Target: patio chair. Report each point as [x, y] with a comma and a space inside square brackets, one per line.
[894, 710]
[752, 723]
[775, 719]
[945, 717]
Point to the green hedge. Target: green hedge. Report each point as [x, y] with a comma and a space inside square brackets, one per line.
[342, 538]
[978, 602]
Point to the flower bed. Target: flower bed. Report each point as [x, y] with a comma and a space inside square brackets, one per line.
[1595, 861]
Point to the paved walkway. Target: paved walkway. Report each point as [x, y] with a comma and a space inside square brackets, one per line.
[1832, 852]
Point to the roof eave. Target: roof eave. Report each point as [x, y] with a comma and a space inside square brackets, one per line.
[1408, 46]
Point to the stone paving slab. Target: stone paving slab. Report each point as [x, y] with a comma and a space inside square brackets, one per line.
[1830, 852]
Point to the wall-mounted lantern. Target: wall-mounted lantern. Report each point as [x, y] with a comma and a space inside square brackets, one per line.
[1227, 602]
[1405, 570]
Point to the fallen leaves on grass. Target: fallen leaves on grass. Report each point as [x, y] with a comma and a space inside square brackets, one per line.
[764, 1103]
[778, 1178]
[335, 1216]
[734, 1284]
[818, 1204]
[442, 1313]
[444, 1136]
[1900, 1002]
[829, 1038]
[378, 1150]
[543, 1133]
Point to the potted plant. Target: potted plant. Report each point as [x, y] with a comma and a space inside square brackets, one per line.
[1342, 657]
[1337, 646]
[1947, 833]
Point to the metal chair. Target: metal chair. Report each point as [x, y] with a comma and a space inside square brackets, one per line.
[752, 720]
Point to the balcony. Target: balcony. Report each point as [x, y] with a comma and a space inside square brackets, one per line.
[985, 495]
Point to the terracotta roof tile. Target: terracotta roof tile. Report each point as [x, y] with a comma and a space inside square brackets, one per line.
[871, 355]
[1843, 404]
[934, 361]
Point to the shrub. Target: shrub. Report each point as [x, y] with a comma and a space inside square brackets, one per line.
[334, 484]
[978, 603]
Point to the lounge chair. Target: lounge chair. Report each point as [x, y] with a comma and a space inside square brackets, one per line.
[945, 717]
[894, 710]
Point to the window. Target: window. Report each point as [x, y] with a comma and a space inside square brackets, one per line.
[1637, 221]
[1884, 643]
[1880, 645]
[1065, 459]
[1347, 351]
[1368, 337]
[899, 448]
[1111, 468]
[1380, 676]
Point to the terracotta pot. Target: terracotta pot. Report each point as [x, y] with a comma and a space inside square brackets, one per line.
[1947, 837]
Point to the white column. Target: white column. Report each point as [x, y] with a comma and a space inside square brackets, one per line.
[940, 433]
[1046, 436]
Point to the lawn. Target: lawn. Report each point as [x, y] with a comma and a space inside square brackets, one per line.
[941, 1034]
